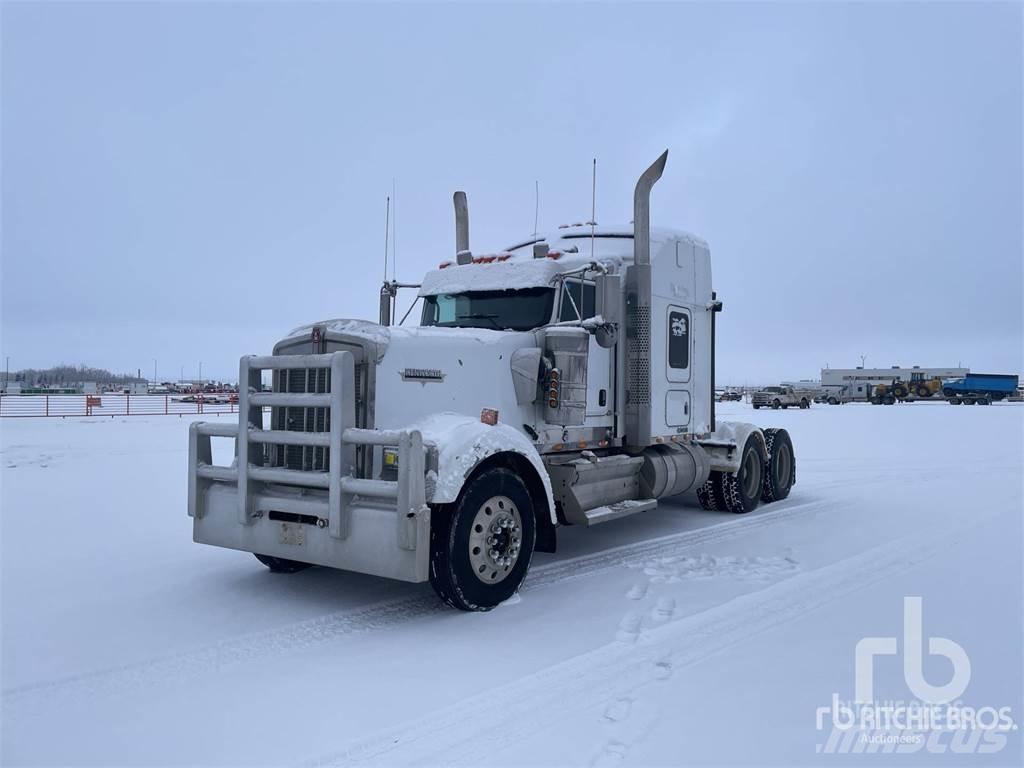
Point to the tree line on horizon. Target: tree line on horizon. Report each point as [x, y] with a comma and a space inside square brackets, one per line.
[66, 375]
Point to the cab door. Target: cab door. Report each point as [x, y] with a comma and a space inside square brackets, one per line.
[578, 302]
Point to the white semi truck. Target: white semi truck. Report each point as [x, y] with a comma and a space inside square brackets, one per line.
[567, 380]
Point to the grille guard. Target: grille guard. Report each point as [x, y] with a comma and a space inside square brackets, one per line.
[259, 487]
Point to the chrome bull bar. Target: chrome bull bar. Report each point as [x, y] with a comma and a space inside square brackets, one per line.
[255, 481]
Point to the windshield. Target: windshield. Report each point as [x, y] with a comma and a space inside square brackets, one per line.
[519, 310]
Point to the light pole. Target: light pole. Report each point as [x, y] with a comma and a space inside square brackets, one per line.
[154, 371]
[7, 373]
[200, 373]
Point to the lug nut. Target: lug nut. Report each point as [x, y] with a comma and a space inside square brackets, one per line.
[493, 554]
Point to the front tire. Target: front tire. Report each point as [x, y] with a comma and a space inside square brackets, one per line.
[779, 475]
[740, 491]
[481, 546]
[804, 403]
[282, 565]
[776, 404]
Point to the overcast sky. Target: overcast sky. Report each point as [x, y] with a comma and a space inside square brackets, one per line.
[187, 182]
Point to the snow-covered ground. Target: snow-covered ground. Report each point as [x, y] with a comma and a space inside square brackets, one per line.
[676, 636]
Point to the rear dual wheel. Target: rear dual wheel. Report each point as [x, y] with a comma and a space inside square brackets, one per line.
[740, 491]
[779, 471]
[767, 473]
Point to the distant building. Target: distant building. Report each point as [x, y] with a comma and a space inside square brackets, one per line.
[839, 377]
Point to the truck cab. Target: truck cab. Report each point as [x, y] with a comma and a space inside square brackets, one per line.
[567, 379]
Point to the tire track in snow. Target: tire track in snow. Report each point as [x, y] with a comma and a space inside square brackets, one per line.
[384, 615]
[617, 670]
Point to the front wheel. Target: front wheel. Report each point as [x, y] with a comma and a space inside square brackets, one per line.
[481, 546]
[833, 401]
[804, 403]
[281, 565]
[776, 404]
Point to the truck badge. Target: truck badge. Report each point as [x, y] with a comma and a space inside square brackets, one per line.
[422, 375]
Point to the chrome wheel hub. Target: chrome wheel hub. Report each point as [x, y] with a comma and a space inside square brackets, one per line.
[495, 539]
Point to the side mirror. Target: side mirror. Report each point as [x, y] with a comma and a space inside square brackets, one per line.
[608, 296]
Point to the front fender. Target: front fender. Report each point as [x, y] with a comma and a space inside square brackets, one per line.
[462, 443]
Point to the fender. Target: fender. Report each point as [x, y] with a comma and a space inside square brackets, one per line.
[730, 433]
[462, 443]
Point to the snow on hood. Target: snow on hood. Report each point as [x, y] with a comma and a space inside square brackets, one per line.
[374, 332]
[481, 335]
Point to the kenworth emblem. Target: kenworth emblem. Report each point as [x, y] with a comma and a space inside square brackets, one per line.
[422, 374]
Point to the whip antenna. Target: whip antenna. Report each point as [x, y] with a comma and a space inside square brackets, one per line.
[387, 225]
[593, 207]
[536, 206]
[394, 243]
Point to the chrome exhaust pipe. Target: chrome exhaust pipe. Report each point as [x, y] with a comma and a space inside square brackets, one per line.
[637, 422]
[642, 210]
[462, 253]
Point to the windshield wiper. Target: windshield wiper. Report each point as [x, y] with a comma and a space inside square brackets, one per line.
[479, 316]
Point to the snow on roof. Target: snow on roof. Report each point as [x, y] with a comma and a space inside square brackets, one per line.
[612, 246]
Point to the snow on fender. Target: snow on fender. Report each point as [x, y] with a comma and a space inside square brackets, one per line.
[463, 442]
[735, 432]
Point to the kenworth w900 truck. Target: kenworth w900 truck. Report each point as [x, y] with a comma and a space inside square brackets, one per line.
[567, 380]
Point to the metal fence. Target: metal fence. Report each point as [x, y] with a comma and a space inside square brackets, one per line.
[13, 406]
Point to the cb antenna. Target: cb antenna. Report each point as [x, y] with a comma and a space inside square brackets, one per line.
[593, 207]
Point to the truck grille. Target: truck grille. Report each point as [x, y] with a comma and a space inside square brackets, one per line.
[299, 419]
[301, 381]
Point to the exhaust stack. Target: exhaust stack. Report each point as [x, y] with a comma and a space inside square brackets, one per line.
[462, 253]
[642, 210]
[638, 313]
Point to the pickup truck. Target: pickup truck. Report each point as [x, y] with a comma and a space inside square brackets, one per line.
[782, 397]
[979, 388]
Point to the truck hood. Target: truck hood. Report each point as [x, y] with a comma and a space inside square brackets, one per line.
[423, 371]
[426, 371]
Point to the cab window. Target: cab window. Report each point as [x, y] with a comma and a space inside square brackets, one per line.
[583, 296]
